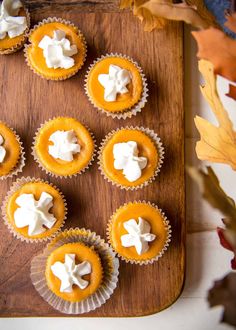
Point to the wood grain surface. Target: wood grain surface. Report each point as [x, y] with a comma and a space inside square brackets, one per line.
[27, 101]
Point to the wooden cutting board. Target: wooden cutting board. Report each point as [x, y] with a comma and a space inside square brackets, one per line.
[27, 101]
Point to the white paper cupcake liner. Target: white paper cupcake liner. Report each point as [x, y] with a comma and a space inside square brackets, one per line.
[21, 161]
[110, 272]
[165, 247]
[17, 185]
[160, 149]
[37, 159]
[128, 113]
[18, 46]
[52, 20]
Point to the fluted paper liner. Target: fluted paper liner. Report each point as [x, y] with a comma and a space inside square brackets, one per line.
[37, 159]
[21, 161]
[156, 140]
[52, 20]
[165, 247]
[127, 113]
[16, 186]
[18, 46]
[110, 272]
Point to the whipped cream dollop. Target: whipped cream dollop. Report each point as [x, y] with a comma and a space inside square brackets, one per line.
[138, 235]
[69, 273]
[57, 51]
[34, 214]
[2, 149]
[126, 159]
[11, 24]
[65, 145]
[115, 82]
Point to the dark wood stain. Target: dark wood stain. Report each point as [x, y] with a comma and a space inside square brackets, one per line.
[27, 101]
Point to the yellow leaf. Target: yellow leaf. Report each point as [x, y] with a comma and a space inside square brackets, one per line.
[126, 3]
[218, 143]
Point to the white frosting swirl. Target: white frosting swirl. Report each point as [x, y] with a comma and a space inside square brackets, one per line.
[138, 235]
[11, 24]
[34, 214]
[2, 150]
[65, 145]
[69, 273]
[115, 82]
[126, 159]
[57, 51]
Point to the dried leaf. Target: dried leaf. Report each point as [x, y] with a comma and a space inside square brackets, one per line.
[177, 12]
[222, 233]
[153, 13]
[216, 47]
[232, 92]
[213, 193]
[218, 143]
[211, 190]
[224, 293]
[231, 21]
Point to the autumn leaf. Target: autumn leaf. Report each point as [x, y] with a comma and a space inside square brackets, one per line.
[177, 12]
[232, 92]
[153, 13]
[224, 293]
[222, 233]
[212, 192]
[216, 47]
[218, 143]
[231, 21]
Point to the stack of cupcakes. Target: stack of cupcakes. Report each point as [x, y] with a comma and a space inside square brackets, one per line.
[77, 271]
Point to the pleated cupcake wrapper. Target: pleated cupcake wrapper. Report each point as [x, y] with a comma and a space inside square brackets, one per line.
[18, 46]
[36, 158]
[52, 20]
[156, 140]
[165, 247]
[128, 113]
[110, 272]
[21, 161]
[16, 186]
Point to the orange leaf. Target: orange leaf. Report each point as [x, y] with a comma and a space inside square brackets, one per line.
[231, 21]
[216, 47]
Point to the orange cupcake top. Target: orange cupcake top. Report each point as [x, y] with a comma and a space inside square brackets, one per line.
[10, 150]
[81, 261]
[131, 91]
[7, 42]
[36, 57]
[56, 163]
[36, 207]
[146, 149]
[131, 221]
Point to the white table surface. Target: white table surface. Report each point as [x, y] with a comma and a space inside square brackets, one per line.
[206, 259]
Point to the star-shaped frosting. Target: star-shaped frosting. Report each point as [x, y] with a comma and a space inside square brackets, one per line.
[69, 273]
[138, 235]
[34, 214]
[114, 82]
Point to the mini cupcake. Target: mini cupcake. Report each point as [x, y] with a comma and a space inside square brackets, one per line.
[76, 273]
[57, 49]
[14, 26]
[63, 147]
[116, 85]
[12, 156]
[34, 210]
[131, 157]
[139, 232]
